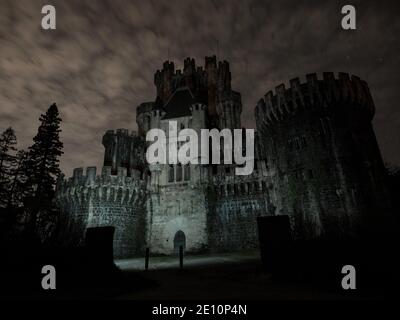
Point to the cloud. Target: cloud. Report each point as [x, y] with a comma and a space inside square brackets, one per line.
[99, 63]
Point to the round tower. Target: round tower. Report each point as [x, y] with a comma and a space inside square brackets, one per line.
[325, 165]
[229, 109]
[104, 200]
[199, 116]
[143, 117]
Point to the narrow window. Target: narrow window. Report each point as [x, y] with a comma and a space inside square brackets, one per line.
[179, 172]
[171, 173]
[186, 172]
[214, 169]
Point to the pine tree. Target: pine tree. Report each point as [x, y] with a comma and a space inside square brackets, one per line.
[42, 166]
[8, 141]
[17, 190]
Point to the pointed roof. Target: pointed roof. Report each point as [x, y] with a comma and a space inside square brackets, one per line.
[179, 103]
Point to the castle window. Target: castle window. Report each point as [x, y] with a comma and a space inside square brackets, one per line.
[182, 126]
[327, 167]
[326, 128]
[186, 171]
[354, 195]
[298, 174]
[297, 144]
[304, 141]
[171, 173]
[273, 145]
[256, 186]
[264, 186]
[214, 170]
[179, 172]
[147, 121]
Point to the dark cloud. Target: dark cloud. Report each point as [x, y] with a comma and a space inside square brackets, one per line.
[99, 63]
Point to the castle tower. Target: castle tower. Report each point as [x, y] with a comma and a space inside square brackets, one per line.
[210, 86]
[324, 161]
[163, 81]
[104, 200]
[122, 149]
[143, 117]
[229, 105]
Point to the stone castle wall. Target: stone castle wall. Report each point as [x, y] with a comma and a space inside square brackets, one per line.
[317, 161]
[234, 203]
[105, 200]
[178, 207]
[326, 169]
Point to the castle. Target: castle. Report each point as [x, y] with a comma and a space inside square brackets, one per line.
[316, 160]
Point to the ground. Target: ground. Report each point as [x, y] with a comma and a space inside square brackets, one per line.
[221, 276]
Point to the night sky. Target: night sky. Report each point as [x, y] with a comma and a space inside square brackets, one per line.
[99, 63]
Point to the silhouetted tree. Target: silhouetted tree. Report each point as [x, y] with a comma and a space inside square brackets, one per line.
[8, 141]
[393, 182]
[42, 169]
[17, 190]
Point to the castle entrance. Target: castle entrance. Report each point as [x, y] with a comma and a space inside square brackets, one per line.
[179, 240]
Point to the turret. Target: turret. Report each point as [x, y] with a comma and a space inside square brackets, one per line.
[122, 149]
[163, 81]
[143, 116]
[108, 199]
[317, 93]
[199, 116]
[322, 154]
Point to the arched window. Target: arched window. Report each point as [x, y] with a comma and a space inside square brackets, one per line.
[179, 172]
[186, 171]
[264, 186]
[171, 173]
[147, 122]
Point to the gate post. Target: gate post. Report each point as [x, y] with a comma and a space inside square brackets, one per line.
[146, 262]
[181, 257]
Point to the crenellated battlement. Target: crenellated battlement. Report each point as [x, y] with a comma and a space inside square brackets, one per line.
[198, 107]
[106, 187]
[214, 74]
[144, 107]
[122, 132]
[326, 92]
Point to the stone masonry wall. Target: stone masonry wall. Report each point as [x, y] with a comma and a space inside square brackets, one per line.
[106, 200]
